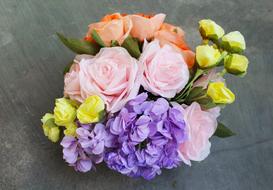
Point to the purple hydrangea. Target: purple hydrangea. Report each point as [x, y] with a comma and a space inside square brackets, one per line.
[145, 137]
[87, 148]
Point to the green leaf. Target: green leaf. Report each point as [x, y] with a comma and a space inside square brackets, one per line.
[67, 67]
[195, 93]
[132, 46]
[222, 131]
[97, 38]
[79, 46]
[206, 103]
[114, 43]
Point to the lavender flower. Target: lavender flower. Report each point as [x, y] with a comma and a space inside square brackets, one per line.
[87, 149]
[145, 137]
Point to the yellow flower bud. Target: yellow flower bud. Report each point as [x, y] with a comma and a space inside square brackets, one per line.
[207, 56]
[54, 134]
[209, 29]
[219, 93]
[91, 110]
[70, 129]
[64, 112]
[236, 64]
[46, 117]
[45, 125]
[234, 42]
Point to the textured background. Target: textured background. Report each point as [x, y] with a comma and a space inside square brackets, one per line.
[31, 65]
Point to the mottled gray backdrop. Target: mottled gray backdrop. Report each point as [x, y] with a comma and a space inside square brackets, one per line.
[31, 64]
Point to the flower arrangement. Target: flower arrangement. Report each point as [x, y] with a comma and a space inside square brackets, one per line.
[139, 99]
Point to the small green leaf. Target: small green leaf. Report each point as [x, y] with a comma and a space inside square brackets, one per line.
[97, 38]
[206, 103]
[131, 44]
[114, 43]
[67, 67]
[195, 93]
[79, 46]
[222, 131]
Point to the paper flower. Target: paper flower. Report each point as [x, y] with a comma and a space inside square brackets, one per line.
[207, 56]
[64, 112]
[165, 71]
[146, 137]
[87, 149]
[234, 41]
[174, 36]
[139, 99]
[145, 27]
[209, 29]
[113, 27]
[200, 125]
[91, 110]
[236, 64]
[220, 94]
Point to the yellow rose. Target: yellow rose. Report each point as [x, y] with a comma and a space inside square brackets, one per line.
[64, 112]
[54, 134]
[207, 56]
[219, 93]
[70, 129]
[209, 29]
[236, 64]
[91, 110]
[234, 42]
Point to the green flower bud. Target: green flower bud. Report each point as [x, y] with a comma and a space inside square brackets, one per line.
[54, 134]
[209, 29]
[234, 42]
[207, 56]
[64, 112]
[236, 64]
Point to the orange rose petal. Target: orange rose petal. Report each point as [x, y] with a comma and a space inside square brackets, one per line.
[189, 57]
[110, 17]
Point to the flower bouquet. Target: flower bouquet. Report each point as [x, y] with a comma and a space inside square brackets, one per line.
[139, 99]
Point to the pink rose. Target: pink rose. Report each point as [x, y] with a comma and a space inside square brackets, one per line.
[174, 36]
[200, 125]
[112, 74]
[72, 87]
[165, 70]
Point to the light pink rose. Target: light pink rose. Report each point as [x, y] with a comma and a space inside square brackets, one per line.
[72, 87]
[112, 74]
[200, 125]
[212, 76]
[165, 71]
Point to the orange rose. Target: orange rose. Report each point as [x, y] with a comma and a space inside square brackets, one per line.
[112, 27]
[174, 36]
[145, 26]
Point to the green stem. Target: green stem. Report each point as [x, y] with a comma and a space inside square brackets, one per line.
[198, 98]
[223, 72]
[198, 73]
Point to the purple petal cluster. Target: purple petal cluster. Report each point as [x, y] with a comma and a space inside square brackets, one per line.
[144, 137]
[87, 149]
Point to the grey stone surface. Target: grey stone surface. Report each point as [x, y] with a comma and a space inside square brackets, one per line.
[31, 64]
